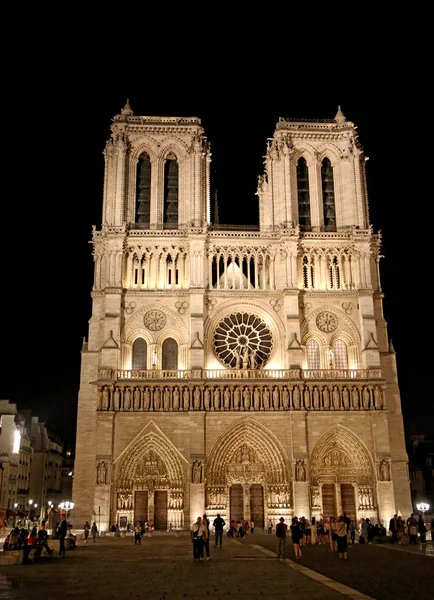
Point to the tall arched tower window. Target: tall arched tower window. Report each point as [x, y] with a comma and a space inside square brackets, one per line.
[139, 354]
[143, 191]
[171, 188]
[340, 355]
[303, 195]
[328, 195]
[170, 355]
[313, 359]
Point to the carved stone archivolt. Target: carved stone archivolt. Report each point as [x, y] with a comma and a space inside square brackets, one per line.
[340, 456]
[150, 464]
[246, 453]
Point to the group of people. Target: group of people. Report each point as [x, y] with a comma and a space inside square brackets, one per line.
[32, 542]
[412, 530]
[200, 536]
[90, 530]
[140, 529]
[240, 528]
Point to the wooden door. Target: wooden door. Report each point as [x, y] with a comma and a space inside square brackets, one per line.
[348, 499]
[237, 508]
[141, 507]
[257, 504]
[328, 500]
[160, 510]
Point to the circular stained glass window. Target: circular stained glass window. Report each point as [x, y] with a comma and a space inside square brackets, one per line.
[242, 341]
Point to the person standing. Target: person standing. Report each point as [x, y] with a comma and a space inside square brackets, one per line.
[197, 538]
[205, 525]
[412, 528]
[296, 535]
[252, 526]
[364, 531]
[63, 531]
[281, 529]
[94, 530]
[270, 527]
[393, 528]
[341, 534]
[137, 534]
[421, 529]
[86, 531]
[218, 525]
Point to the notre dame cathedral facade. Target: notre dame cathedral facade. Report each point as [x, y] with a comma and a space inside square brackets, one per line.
[241, 372]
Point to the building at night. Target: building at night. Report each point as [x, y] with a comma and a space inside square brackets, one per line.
[246, 372]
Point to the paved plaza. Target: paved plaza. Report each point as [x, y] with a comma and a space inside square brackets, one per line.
[162, 568]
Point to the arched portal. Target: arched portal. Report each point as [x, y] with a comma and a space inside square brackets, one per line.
[149, 483]
[342, 476]
[248, 475]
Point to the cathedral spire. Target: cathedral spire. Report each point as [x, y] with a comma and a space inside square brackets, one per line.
[340, 117]
[127, 109]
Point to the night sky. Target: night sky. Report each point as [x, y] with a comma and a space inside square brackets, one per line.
[56, 173]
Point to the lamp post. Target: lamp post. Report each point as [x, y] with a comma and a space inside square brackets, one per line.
[67, 506]
[422, 507]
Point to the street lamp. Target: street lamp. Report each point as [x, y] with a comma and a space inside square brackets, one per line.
[422, 507]
[67, 506]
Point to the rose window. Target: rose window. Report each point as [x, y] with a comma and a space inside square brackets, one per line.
[243, 341]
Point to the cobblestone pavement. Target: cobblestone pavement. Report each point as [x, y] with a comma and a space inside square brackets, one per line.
[163, 568]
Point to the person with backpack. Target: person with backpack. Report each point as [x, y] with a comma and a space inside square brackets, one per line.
[281, 529]
[197, 536]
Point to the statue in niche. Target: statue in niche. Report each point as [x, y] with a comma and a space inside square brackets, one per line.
[196, 398]
[306, 398]
[315, 495]
[101, 473]
[355, 396]
[156, 399]
[197, 471]
[377, 397]
[336, 398]
[245, 357]
[300, 471]
[346, 398]
[227, 399]
[384, 470]
[296, 397]
[207, 399]
[176, 399]
[276, 397]
[315, 398]
[365, 397]
[127, 399]
[166, 398]
[105, 403]
[117, 399]
[186, 398]
[246, 395]
[256, 399]
[266, 398]
[216, 398]
[237, 398]
[146, 399]
[136, 399]
[326, 397]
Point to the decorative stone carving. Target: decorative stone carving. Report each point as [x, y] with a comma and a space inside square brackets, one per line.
[181, 307]
[300, 471]
[154, 320]
[326, 321]
[101, 473]
[197, 472]
[384, 468]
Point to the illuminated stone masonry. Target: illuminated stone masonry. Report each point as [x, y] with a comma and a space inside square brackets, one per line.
[240, 371]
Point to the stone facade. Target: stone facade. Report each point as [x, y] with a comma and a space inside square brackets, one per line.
[246, 373]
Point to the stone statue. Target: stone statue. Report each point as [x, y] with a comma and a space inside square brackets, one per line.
[245, 357]
[156, 399]
[207, 399]
[105, 398]
[117, 399]
[300, 471]
[306, 398]
[355, 397]
[276, 397]
[246, 396]
[378, 396]
[227, 399]
[257, 399]
[266, 398]
[102, 473]
[137, 399]
[326, 397]
[237, 359]
[336, 398]
[253, 359]
[176, 399]
[237, 398]
[127, 399]
[384, 470]
[197, 471]
[365, 397]
[216, 398]
[346, 398]
[196, 398]
[186, 398]
[315, 398]
[146, 399]
[296, 397]
[166, 398]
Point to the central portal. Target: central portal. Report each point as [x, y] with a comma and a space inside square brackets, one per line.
[141, 507]
[237, 511]
[257, 504]
[160, 510]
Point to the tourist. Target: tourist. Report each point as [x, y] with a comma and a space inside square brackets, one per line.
[364, 532]
[308, 531]
[205, 524]
[218, 525]
[43, 539]
[252, 526]
[94, 531]
[197, 534]
[400, 529]
[412, 528]
[86, 531]
[281, 529]
[393, 528]
[270, 527]
[137, 534]
[333, 538]
[421, 530]
[352, 532]
[296, 535]
[341, 537]
[63, 531]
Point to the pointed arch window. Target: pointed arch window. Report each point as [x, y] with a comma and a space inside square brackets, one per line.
[170, 355]
[328, 195]
[313, 356]
[140, 349]
[143, 190]
[303, 195]
[340, 352]
[171, 192]
[308, 272]
[335, 274]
